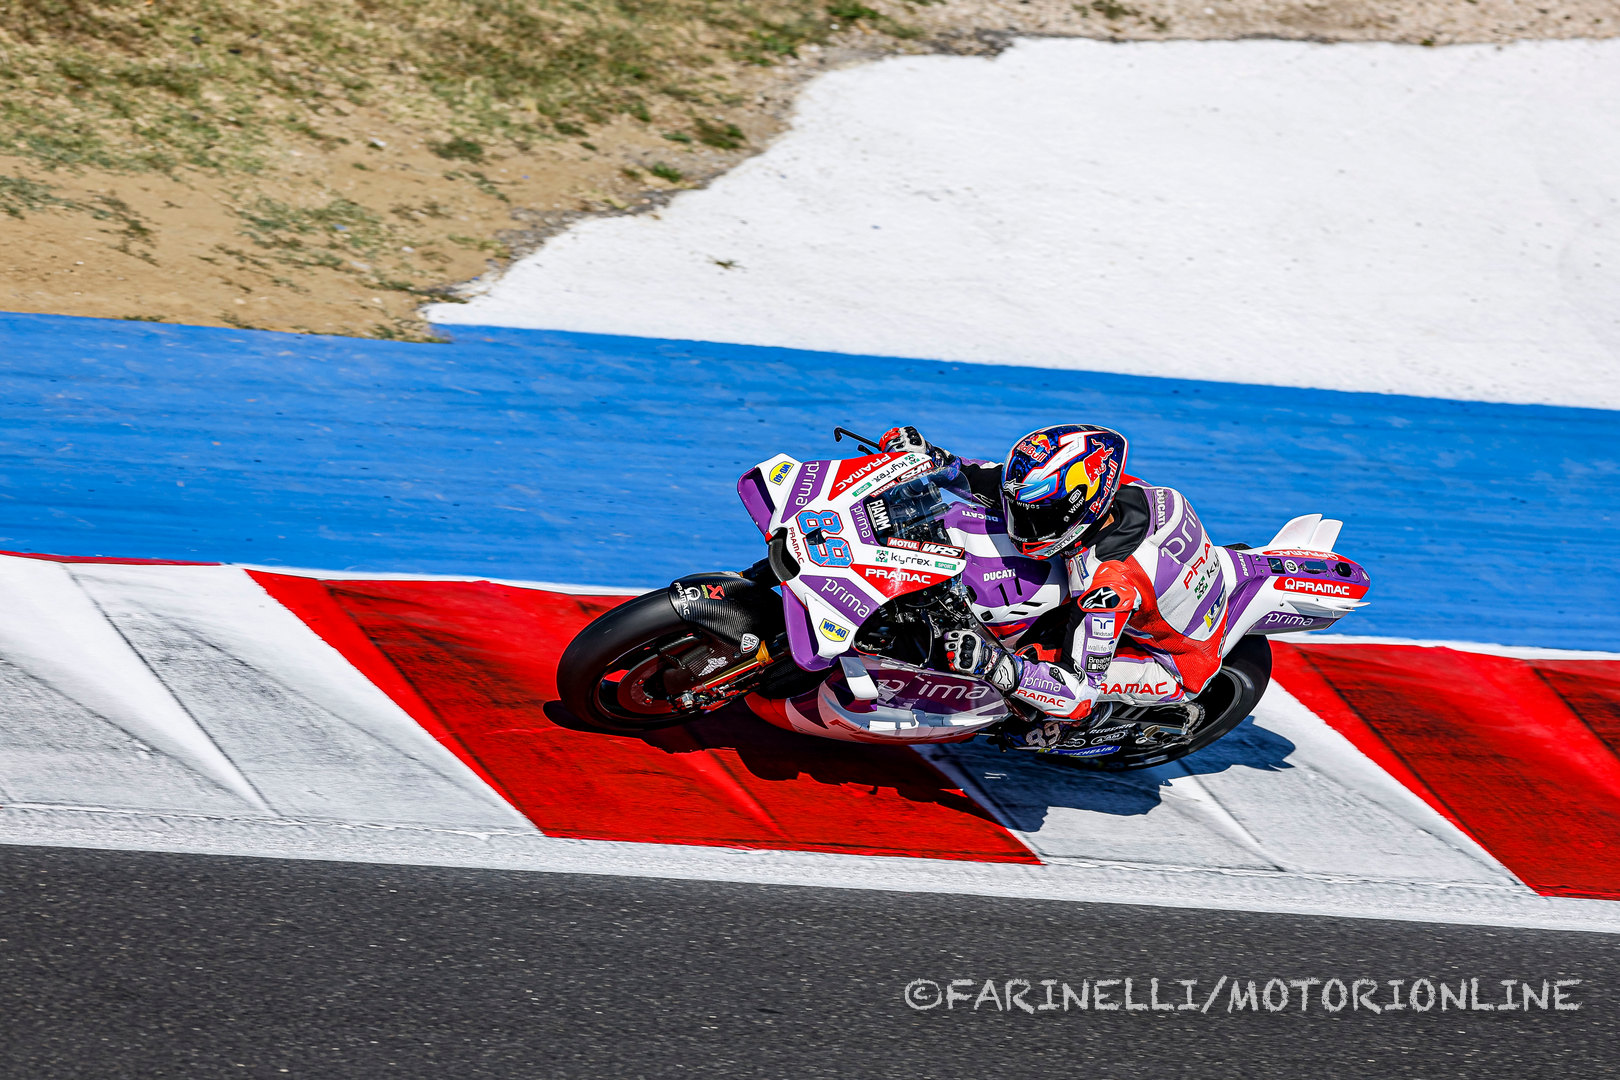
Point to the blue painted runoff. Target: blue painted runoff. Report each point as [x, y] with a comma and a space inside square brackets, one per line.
[611, 460]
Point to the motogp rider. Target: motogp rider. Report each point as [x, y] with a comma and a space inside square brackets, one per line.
[1147, 625]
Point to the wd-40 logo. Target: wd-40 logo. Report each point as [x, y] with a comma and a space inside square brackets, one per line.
[779, 473]
[832, 631]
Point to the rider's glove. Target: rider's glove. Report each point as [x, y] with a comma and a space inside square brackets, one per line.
[971, 654]
[900, 440]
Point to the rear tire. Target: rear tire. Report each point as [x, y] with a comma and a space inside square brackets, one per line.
[1229, 697]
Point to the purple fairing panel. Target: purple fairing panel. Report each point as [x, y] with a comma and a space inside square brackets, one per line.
[973, 519]
[1243, 594]
[757, 500]
[863, 524]
[807, 484]
[988, 577]
[1293, 564]
[1253, 571]
[801, 643]
[932, 691]
[838, 595]
[1288, 621]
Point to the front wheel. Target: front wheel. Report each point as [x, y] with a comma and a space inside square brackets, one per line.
[612, 675]
[1228, 699]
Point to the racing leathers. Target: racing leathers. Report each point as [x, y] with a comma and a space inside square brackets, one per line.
[1147, 616]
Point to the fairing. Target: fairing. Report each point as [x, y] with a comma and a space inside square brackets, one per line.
[838, 521]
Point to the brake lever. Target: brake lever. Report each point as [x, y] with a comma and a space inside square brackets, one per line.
[869, 445]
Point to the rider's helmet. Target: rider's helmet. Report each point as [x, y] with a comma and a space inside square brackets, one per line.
[1058, 482]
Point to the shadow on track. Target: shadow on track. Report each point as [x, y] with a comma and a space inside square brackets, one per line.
[1024, 788]
[772, 754]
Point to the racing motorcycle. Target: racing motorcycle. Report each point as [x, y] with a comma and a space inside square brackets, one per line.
[870, 560]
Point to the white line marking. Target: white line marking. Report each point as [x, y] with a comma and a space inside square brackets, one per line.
[1194, 887]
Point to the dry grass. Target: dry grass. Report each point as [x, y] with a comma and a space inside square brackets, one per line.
[326, 165]
[155, 85]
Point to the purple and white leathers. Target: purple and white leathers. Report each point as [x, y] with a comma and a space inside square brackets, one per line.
[849, 557]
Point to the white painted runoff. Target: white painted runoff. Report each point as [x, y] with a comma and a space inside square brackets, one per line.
[189, 691]
[181, 708]
[1441, 221]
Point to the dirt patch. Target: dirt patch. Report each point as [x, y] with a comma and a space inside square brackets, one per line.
[329, 169]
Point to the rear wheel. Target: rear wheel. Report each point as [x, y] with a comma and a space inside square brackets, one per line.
[1228, 699]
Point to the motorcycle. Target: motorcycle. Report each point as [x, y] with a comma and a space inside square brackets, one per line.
[870, 560]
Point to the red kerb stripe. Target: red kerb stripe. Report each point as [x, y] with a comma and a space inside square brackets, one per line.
[475, 664]
[1522, 755]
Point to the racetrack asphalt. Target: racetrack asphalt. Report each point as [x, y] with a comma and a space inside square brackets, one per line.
[123, 964]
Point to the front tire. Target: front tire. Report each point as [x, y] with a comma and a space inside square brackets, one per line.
[610, 676]
[1228, 698]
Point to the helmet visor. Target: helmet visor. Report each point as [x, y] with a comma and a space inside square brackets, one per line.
[1038, 523]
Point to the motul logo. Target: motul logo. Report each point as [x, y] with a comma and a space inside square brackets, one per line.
[1321, 588]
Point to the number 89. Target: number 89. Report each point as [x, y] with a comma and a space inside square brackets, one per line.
[827, 521]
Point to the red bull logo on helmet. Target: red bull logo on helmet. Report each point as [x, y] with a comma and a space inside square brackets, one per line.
[1038, 447]
[1086, 475]
[1080, 465]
